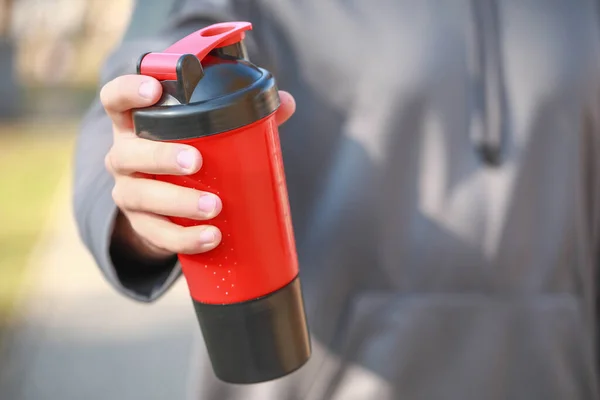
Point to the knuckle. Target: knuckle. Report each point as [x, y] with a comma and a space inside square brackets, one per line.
[104, 94]
[160, 158]
[110, 162]
[169, 239]
[117, 195]
[125, 197]
[115, 164]
[180, 199]
[184, 202]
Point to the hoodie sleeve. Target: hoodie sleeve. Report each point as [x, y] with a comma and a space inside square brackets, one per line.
[153, 27]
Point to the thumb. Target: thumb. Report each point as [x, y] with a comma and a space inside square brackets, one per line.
[287, 107]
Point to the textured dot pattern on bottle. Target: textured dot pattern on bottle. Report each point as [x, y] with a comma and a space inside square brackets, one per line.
[257, 254]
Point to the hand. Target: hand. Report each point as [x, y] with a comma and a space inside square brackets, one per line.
[144, 203]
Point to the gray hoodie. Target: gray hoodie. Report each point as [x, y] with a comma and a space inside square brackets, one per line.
[443, 175]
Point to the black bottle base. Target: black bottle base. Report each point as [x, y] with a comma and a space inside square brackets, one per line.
[258, 340]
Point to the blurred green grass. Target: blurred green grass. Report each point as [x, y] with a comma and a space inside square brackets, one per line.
[34, 158]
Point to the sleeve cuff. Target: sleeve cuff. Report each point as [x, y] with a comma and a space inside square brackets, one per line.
[129, 276]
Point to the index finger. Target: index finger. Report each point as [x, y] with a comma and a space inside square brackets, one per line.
[127, 92]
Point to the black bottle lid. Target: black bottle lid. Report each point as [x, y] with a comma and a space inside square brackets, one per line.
[209, 86]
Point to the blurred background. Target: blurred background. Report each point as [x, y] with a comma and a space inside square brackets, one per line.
[64, 334]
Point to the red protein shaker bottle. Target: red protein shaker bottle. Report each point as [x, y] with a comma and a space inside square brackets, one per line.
[246, 292]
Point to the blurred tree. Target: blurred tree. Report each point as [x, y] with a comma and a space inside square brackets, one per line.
[149, 17]
[10, 93]
[5, 16]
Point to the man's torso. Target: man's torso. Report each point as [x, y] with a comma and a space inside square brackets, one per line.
[429, 273]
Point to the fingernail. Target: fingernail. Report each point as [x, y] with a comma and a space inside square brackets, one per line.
[208, 236]
[207, 203]
[186, 159]
[146, 90]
